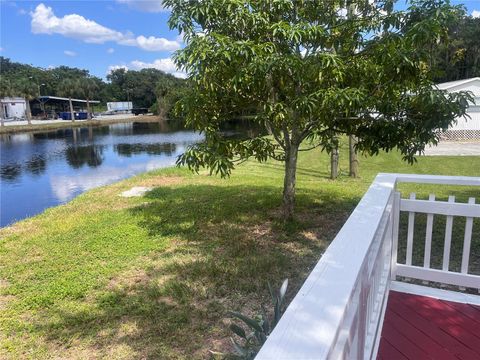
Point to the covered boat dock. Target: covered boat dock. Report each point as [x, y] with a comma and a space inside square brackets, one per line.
[50, 107]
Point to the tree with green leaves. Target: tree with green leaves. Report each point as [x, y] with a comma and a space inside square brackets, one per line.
[459, 57]
[313, 70]
[168, 90]
[70, 88]
[144, 87]
[88, 88]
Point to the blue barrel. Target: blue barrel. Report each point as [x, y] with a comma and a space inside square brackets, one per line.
[65, 115]
[81, 115]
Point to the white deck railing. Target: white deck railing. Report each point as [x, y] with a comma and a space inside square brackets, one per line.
[451, 210]
[338, 312]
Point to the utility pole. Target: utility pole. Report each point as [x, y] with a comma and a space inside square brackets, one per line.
[128, 99]
[39, 87]
[42, 104]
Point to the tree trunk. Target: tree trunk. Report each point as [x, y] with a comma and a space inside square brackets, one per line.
[334, 163]
[2, 115]
[289, 181]
[72, 114]
[352, 141]
[89, 117]
[28, 112]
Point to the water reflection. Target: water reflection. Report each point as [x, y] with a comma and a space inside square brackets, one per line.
[36, 165]
[152, 149]
[45, 169]
[10, 171]
[78, 156]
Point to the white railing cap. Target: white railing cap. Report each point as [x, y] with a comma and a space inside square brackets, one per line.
[436, 179]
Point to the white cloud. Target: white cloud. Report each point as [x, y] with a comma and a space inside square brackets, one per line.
[73, 26]
[110, 50]
[77, 27]
[116, 67]
[70, 53]
[476, 13]
[156, 44]
[166, 65]
[145, 5]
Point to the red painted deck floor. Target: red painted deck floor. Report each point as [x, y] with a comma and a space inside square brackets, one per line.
[420, 327]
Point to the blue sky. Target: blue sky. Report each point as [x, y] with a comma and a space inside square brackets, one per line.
[96, 35]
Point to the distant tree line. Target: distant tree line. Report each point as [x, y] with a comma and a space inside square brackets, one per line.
[146, 88]
[459, 57]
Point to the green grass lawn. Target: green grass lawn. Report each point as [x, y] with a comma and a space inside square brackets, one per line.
[153, 277]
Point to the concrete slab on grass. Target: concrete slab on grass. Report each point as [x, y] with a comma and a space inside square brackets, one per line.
[136, 191]
[455, 148]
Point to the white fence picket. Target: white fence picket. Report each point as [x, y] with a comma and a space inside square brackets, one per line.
[428, 237]
[467, 240]
[411, 226]
[448, 238]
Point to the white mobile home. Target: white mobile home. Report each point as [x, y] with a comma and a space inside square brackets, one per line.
[13, 107]
[465, 128]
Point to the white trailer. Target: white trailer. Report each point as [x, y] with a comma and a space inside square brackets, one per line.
[119, 106]
[13, 108]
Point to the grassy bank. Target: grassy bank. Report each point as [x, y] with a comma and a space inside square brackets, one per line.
[11, 129]
[152, 277]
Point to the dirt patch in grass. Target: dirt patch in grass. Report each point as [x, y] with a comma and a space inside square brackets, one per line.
[129, 280]
[5, 300]
[161, 181]
[29, 226]
[4, 284]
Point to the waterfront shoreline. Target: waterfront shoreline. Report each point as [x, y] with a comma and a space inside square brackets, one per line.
[13, 129]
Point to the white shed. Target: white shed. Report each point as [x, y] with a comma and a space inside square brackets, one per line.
[465, 128]
[13, 107]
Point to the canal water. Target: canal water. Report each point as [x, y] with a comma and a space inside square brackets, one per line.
[40, 170]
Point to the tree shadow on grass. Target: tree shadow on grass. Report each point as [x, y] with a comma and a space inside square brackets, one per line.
[225, 244]
[317, 174]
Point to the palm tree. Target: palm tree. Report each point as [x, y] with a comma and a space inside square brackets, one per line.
[89, 89]
[29, 91]
[69, 88]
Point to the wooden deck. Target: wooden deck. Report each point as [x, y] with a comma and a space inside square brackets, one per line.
[419, 327]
